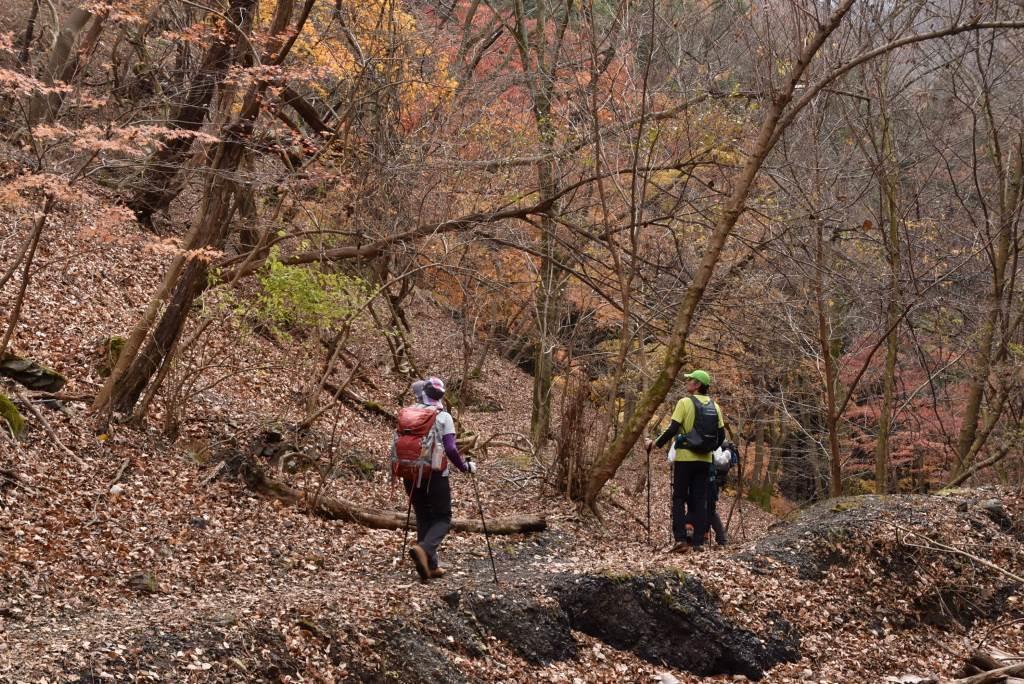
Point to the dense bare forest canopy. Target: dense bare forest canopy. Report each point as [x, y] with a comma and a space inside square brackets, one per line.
[819, 201]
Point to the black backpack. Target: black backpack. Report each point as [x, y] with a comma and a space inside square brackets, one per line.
[703, 438]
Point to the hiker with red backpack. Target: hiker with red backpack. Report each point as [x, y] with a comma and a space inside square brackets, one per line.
[698, 428]
[423, 445]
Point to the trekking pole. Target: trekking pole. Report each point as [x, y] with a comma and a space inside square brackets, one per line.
[480, 506]
[737, 502]
[648, 497]
[671, 530]
[739, 494]
[405, 535]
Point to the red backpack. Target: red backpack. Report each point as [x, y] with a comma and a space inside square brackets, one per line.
[412, 454]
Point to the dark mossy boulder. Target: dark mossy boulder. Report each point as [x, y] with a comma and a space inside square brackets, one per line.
[10, 415]
[31, 374]
[673, 621]
[539, 634]
[405, 654]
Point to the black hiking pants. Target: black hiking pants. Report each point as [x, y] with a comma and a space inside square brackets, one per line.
[713, 518]
[432, 503]
[690, 499]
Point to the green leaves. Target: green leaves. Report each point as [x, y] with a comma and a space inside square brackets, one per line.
[305, 296]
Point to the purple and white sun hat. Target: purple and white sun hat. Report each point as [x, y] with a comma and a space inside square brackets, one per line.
[433, 391]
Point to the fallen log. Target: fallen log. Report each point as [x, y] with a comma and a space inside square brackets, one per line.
[989, 668]
[333, 509]
[992, 676]
[46, 397]
[49, 430]
[980, 662]
[350, 397]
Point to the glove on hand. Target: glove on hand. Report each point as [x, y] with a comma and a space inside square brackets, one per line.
[471, 467]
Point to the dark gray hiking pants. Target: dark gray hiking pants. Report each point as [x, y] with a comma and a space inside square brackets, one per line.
[432, 503]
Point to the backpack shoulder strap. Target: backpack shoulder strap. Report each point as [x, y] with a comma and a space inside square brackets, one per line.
[704, 412]
[698, 406]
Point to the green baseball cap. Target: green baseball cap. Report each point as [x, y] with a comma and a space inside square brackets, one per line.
[700, 376]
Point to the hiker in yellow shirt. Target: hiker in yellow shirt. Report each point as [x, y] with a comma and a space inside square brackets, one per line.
[698, 428]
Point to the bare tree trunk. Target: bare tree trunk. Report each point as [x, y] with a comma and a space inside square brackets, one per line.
[157, 188]
[213, 225]
[772, 471]
[335, 509]
[637, 192]
[67, 37]
[976, 467]
[304, 109]
[571, 458]
[539, 62]
[756, 479]
[548, 303]
[19, 301]
[135, 340]
[890, 234]
[826, 348]
[165, 337]
[968, 443]
[116, 390]
[29, 34]
[85, 49]
[882, 450]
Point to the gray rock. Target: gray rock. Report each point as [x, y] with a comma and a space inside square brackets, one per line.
[996, 512]
[32, 375]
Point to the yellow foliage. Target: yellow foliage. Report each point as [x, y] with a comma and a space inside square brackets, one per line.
[340, 39]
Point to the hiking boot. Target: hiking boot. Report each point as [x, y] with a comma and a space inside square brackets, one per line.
[681, 547]
[437, 573]
[419, 559]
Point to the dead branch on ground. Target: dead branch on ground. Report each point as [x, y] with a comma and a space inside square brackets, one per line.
[904, 535]
[333, 509]
[47, 427]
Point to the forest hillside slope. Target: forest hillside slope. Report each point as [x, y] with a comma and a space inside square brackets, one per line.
[127, 556]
